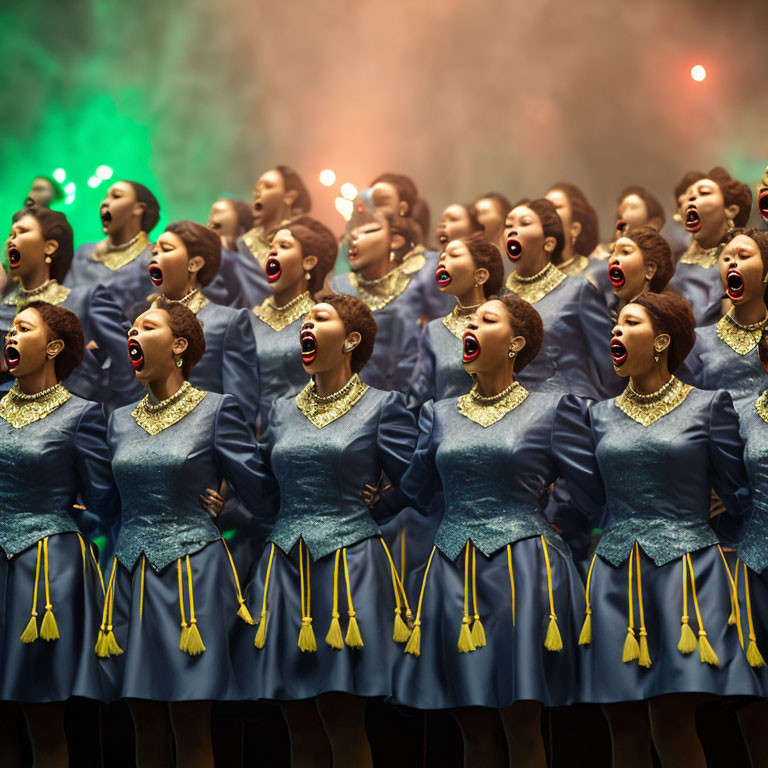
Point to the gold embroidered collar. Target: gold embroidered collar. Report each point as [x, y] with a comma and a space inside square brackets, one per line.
[536, 287]
[380, 292]
[50, 291]
[488, 410]
[761, 406]
[256, 243]
[645, 409]
[155, 418]
[697, 255]
[321, 411]
[458, 320]
[574, 266]
[19, 409]
[742, 339]
[278, 318]
[194, 301]
[118, 256]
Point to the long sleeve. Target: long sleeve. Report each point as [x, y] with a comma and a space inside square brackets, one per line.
[421, 481]
[691, 371]
[729, 475]
[397, 437]
[596, 328]
[423, 383]
[239, 365]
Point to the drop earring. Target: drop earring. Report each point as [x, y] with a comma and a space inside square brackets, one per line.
[512, 353]
[179, 362]
[392, 256]
[307, 275]
[47, 259]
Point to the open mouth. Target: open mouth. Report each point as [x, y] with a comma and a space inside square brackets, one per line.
[156, 274]
[471, 347]
[621, 225]
[762, 203]
[273, 269]
[616, 276]
[442, 238]
[692, 220]
[514, 249]
[14, 257]
[12, 356]
[258, 207]
[734, 284]
[618, 352]
[443, 277]
[308, 347]
[106, 218]
[136, 354]
[353, 253]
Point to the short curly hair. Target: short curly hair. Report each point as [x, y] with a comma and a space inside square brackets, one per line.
[356, 316]
[502, 202]
[582, 212]
[734, 192]
[65, 325]
[243, 212]
[525, 322]
[670, 313]
[405, 186]
[655, 250]
[551, 223]
[199, 241]
[317, 240]
[53, 226]
[652, 205]
[184, 325]
[690, 177]
[151, 214]
[486, 256]
[292, 182]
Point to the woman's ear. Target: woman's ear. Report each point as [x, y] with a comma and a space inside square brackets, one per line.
[180, 346]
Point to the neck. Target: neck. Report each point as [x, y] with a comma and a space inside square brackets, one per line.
[490, 383]
[652, 380]
[529, 268]
[472, 298]
[566, 255]
[376, 269]
[623, 302]
[749, 312]
[37, 278]
[165, 386]
[267, 225]
[706, 242]
[125, 235]
[329, 382]
[281, 298]
[39, 380]
[179, 294]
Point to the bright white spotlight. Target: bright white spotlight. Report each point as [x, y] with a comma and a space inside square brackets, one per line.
[349, 191]
[327, 177]
[70, 188]
[104, 172]
[94, 182]
[698, 73]
[344, 207]
[60, 174]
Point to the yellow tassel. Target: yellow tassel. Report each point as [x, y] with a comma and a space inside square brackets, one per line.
[353, 637]
[478, 634]
[631, 647]
[183, 622]
[101, 645]
[732, 615]
[113, 649]
[261, 632]
[644, 657]
[465, 637]
[245, 614]
[706, 652]
[553, 641]
[585, 638]
[242, 610]
[184, 638]
[511, 581]
[49, 630]
[754, 657]
[194, 642]
[307, 642]
[401, 633]
[687, 642]
[414, 641]
[106, 644]
[334, 637]
[29, 635]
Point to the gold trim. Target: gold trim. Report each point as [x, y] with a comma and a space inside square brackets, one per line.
[19, 409]
[380, 292]
[645, 409]
[115, 258]
[488, 410]
[50, 291]
[456, 321]
[257, 245]
[761, 406]
[194, 301]
[536, 287]
[321, 411]
[414, 260]
[574, 266]
[699, 256]
[278, 318]
[742, 339]
[156, 418]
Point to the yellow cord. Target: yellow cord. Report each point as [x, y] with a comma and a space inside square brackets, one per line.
[141, 588]
[402, 557]
[261, 632]
[400, 633]
[478, 631]
[184, 625]
[736, 592]
[585, 638]
[631, 646]
[735, 617]
[353, 637]
[307, 641]
[553, 641]
[48, 628]
[194, 641]
[242, 608]
[754, 657]
[106, 644]
[98, 570]
[511, 580]
[644, 658]
[466, 643]
[707, 654]
[334, 637]
[414, 642]
[29, 635]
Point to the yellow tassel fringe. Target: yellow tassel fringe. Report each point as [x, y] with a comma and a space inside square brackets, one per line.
[706, 652]
[401, 633]
[687, 642]
[754, 657]
[307, 642]
[334, 637]
[465, 637]
[353, 638]
[194, 642]
[413, 645]
[631, 647]
[478, 633]
[49, 630]
[261, 632]
[644, 657]
[585, 638]
[553, 641]
[29, 635]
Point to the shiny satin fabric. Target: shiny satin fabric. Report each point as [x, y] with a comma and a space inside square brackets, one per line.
[253, 280]
[658, 478]
[46, 466]
[703, 288]
[712, 364]
[321, 472]
[396, 351]
[160, 478]
[226, 288]
[757, 610]
[152, 666]
[606, 678]
[280, 671]
[130, 285]
[575, 355]
[434, 303]
[439, 373]
[46, 671]
[753, 547]
[514, 665]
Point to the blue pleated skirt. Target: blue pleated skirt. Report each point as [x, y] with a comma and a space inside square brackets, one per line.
[606, 678]
[753, 615]
[281, 671]
[50, 670]
[514, 665]
[149, 631]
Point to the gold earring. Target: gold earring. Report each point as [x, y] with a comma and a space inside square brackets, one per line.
[179, 362]
[512, 353]
[47, 259]
[731, 225]
[307, 275]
